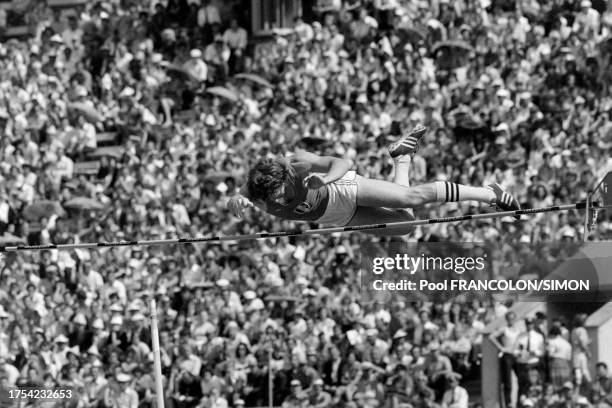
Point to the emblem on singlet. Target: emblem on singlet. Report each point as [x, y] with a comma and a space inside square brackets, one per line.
[303, 208]
[306, 206]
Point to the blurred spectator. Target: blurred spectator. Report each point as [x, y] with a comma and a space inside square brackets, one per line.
[119, 393]
[530, 351]
[196, 67]
[218, 55]
[455, 396]
[236, 39]
[560, 357]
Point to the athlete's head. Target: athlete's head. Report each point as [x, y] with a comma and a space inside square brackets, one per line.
[266, 179]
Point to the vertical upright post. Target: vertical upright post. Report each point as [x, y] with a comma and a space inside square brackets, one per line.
[585, 232]
[270, 380]
[159, 388]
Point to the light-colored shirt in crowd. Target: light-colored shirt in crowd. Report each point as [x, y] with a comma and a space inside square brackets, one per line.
[94, 280]
[208, 15]
[12, 373]
[125, 399]
[72, 38]
[64, 167]
[509, 337]
[180, 214]
[119, 288]
[235, 39]
[587, 21]
[329, 5]
[304, 32]
[580, 339]
[26, 193]
[4, 212]
[197, 68]
[4, 345]
[219, 402]
[521, 29]
[558, 347]
[88, 136]
[216, 55]
[532, 342]
[456, 398]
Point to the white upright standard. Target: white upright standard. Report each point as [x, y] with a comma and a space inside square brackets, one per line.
[159, 388]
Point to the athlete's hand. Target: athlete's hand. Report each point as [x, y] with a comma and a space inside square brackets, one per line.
[314, 181]
[238, 205]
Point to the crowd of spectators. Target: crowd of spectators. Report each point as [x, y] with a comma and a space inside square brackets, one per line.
[550, 362]
[519, 93]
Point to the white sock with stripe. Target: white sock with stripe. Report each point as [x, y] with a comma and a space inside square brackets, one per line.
[402, 170]
[447, 192]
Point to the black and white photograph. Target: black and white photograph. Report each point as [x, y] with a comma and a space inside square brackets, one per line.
[305, 203]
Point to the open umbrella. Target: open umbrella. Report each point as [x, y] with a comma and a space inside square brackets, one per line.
[255, 79]
[176, 71]
[283, 32]
[90, 113]
[110, 151]
[281, 298]
[454, 45]
[185, 116]
[223, 93]
[471, 127]
[313, 141]
[46, 208]
[217, 176]
[84, 203]
[412, 34]
[452, 54]
[201, 285]
[8, 239]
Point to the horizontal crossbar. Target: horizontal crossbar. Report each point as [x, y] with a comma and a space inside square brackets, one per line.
[295, 233]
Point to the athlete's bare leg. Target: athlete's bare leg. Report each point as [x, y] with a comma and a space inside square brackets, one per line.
[378, 200]
[370, 215]
[380, 193]
[402, 173]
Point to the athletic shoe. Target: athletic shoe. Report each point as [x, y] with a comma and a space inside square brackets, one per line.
[409, 144]
[503, 200]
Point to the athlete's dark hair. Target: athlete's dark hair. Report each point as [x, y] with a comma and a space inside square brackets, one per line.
[265, 178]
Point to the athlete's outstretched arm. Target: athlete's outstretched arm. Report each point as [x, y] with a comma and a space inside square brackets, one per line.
[334, 168]
[238, 203]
